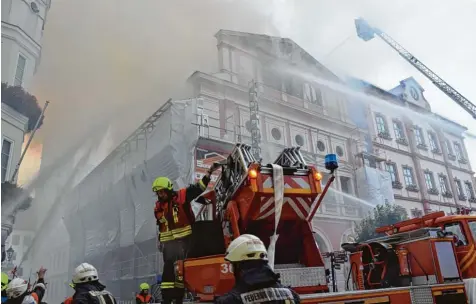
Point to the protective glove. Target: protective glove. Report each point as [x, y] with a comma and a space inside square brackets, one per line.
[214, 167]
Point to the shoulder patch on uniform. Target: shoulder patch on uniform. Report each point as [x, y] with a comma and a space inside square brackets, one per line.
[266, 295]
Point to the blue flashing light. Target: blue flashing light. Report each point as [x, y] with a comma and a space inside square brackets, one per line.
[331, 162]
[159, 279]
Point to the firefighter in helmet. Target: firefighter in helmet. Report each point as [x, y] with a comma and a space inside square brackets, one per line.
[143, 296]
[88, 289]
[255, 281]
[174, 215]
[18, 293]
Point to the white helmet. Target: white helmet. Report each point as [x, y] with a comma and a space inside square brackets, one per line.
[16, 288]
[246, 247]
[85, 273]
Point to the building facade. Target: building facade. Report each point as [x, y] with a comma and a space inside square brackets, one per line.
[14, 126]
[424, 153]
[294, 111]
[23, 22]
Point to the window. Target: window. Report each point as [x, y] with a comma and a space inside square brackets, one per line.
[293, 86]
[469, 190]
[381, 124]
[6, 152]
[272, 79]
[448, 147]
[312, 95]
[321, 146]
[15, 240]
[27, 240]
[345, 184]
[398, 128]
[455, 228]
[429, 181]
[419, 136]
[459, 188]
[299, 140]
[433, 142]
[472, 227]
[276, 133]
[443, 183]
[408, 176]
[458, 150]
[340, 151]
[21, 63]
[392, 169]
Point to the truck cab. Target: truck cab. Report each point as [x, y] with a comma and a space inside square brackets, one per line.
[461, 225]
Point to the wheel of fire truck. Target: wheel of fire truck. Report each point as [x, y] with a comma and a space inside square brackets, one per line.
[374, 261]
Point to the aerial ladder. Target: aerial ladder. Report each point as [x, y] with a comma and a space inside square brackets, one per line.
[366, 32]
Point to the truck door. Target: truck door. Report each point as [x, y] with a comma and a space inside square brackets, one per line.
[464, 244]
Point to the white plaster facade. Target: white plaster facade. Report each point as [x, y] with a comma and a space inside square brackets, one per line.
[14, 126]
[431, 149]
[22, 30]
[293, 112]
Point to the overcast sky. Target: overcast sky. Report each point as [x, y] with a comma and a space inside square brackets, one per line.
[121, 59]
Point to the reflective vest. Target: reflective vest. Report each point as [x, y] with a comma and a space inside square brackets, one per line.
[173, 218]
[143, 298]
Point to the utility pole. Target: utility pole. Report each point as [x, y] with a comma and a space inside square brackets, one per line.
[12, 180]
[254, 121]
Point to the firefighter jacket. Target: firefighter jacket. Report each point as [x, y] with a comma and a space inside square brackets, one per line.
[259, 285]
[92, 293]
[68, 300]
[143, 298]
[175, 217]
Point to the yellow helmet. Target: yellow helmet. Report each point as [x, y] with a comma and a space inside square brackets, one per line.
[144, 286]
[4, 281]
[162, 183]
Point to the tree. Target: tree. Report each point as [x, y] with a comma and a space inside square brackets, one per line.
[14, 199]
[23, 102]
[383, 215]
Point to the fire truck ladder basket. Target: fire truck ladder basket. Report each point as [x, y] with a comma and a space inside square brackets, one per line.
[291, 157]
[235, 170]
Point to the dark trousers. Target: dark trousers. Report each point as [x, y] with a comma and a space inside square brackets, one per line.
[171, 288]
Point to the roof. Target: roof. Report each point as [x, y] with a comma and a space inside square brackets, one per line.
[362, 85]
[260, 37]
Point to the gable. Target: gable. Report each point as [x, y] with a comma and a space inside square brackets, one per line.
[411, 91]
[279, 48]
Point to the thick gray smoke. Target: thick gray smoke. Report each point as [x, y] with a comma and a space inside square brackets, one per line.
[119, 60]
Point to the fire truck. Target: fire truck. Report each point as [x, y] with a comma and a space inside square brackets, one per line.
[418, 266]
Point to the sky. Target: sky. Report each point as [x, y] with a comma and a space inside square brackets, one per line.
[117, 61]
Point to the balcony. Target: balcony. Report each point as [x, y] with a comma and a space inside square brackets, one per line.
[412, 188]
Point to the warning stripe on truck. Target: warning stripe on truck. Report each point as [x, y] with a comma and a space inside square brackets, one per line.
[300, 205]
[290, 182]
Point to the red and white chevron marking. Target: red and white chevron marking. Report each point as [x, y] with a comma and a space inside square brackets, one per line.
[290, 182]
[301, 206]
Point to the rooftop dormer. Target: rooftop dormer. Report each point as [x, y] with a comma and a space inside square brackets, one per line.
[411, 91]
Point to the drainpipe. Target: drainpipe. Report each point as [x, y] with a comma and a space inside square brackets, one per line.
[449, 172]
[416, 161]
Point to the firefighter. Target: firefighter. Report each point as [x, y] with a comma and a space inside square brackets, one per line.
[5, 281]
[255, 281]
[174, 216]
[143, 296]
[87, 287]
[69, 300]
[17, 290]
